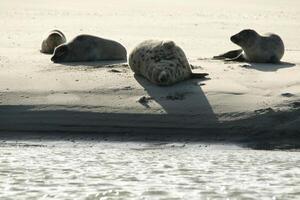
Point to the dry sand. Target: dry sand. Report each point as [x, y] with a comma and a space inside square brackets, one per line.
[254, 103]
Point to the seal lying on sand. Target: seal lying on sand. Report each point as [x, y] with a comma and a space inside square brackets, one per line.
[267, 48]
[89, 48]
[161, 62]
[54, 39]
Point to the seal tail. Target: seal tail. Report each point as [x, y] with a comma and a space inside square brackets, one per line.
[199, 75]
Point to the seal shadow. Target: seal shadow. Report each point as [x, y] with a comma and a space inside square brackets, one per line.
[95, 64]
[268, 67]
[184, 98]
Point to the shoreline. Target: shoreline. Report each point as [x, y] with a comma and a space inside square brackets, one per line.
[279, 130]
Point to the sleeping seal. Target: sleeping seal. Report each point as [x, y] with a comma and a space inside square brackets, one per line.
[54, 39]
[268, 48]
[89, 48]
[161, 62]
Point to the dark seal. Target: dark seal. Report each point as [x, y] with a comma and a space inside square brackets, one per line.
[89, 48]
[54, 39]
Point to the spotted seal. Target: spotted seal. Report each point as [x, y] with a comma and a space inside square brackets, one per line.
[268, 48]
[54, 39]
[161, 62]
[89, 48]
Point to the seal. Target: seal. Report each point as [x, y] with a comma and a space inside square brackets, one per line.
[89, 48]
[54, 39]
[256, 48]
[161, 62]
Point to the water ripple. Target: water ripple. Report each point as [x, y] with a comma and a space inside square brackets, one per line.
[103, 171]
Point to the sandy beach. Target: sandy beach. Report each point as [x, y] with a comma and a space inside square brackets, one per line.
[253, 104]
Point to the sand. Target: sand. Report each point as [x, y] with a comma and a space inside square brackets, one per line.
[257, 104]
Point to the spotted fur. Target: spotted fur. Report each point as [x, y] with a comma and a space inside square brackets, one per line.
[161, 62]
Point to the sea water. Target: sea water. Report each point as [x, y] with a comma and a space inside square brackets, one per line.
[107, 170]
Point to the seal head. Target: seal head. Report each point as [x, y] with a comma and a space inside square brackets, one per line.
[61, 54]
[245, 38]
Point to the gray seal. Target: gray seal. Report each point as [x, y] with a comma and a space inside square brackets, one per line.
[161, 62]
[268, 48]
[54, 39]
[89, 48]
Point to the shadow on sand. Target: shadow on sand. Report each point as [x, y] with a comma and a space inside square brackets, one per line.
[270, 130]
[96, 64]
[187, 117]
[185, 98]
[267, 67]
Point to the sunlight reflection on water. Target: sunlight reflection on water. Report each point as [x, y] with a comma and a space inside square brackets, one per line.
[98, 170]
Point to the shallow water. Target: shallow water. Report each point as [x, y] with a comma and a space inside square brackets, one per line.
[97, 170]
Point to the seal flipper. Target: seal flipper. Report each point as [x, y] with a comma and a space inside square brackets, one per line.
[239, 58]
[198, 75]
[230, 54]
